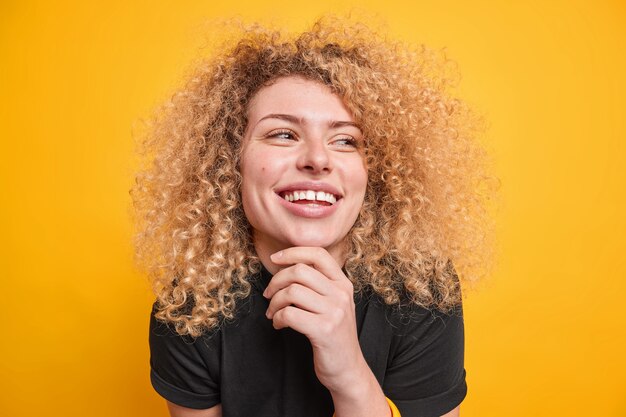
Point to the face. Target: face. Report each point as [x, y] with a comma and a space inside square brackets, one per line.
[304, 177]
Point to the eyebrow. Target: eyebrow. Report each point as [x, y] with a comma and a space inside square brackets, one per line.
[303, 121]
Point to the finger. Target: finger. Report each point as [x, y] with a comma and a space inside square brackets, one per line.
[300, 320]
[317, 257]
[299, 296]
[301, 274]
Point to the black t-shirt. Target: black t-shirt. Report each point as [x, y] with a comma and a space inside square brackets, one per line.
[255, 370]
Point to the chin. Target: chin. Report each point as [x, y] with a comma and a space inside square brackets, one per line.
[313, 240]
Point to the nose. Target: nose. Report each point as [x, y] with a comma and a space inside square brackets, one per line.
[315, 157]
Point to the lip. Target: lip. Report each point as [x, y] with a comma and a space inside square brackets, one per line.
[306, 210]
[310, 185]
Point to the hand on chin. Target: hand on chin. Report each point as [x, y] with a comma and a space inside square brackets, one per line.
[313, 296]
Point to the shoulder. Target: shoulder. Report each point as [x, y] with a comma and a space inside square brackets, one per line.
[407, 316]
[184, 370]
[166, 342]
[427, 332]
[425, 373]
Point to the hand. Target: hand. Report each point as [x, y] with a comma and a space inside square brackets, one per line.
[314, 297]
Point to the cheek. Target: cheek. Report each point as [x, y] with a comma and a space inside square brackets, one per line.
[359, 176]
[252, 165]
[259, 160]
[250, 201]
[257, 176]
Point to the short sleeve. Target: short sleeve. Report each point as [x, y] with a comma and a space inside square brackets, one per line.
[178, 372]
[426, 375]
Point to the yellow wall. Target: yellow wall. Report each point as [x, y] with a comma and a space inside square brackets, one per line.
[545, 334]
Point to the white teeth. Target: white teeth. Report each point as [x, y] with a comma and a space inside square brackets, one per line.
[310, 195]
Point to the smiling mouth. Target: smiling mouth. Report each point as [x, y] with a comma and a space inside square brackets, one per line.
[309, 198]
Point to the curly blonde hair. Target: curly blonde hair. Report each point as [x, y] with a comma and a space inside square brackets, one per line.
[428, 188]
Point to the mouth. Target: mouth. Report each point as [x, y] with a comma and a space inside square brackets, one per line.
[310, 198]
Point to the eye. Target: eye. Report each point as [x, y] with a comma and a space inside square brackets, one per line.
[281, 134]
[346, 141]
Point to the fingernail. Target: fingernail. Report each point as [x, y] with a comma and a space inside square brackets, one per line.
[277, 255]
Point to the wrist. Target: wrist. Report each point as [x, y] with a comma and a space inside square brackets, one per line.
[362, 396]
[355, 384]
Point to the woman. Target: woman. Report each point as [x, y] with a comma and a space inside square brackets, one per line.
[306, 199]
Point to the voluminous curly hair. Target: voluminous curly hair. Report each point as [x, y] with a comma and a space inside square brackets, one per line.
[426, 203]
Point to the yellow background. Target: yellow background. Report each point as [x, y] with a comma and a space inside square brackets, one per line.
[545, 333]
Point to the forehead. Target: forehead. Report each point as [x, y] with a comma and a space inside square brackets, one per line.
[300, 97]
